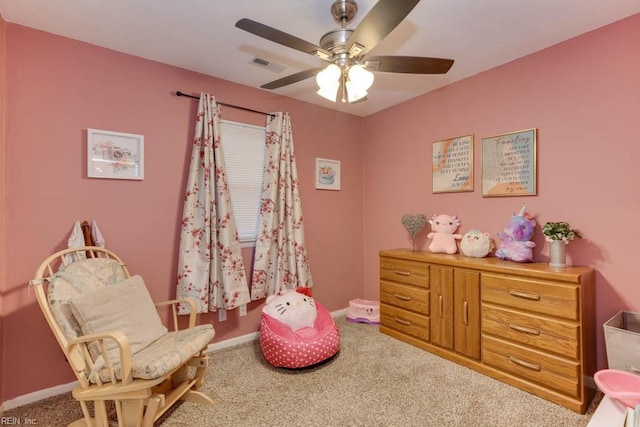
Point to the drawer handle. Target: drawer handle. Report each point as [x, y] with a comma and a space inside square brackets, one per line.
[524, 363]
[524, 329]
[402, 273]
[402, 321]
[525, 295]
[402, 297]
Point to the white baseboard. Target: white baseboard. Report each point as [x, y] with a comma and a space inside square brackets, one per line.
[38, 395]
[339, 313]
[232, 342]
[65, 388]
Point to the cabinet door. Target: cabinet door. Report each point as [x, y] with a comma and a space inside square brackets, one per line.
[467, 312]
[441, 279]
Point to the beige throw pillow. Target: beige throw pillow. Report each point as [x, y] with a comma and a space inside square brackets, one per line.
[126, 307]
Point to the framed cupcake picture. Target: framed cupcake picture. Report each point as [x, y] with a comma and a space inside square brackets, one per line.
[327, 174]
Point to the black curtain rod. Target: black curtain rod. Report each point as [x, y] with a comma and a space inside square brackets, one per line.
[226, 105]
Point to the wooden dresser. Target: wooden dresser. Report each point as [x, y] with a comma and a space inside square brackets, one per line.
[525, 324]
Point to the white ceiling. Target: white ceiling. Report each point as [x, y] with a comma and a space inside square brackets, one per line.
[200, 35]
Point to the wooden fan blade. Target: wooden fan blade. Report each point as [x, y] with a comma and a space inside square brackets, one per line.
[378, 23]
[293, 78]
[408, 64]
[280, 37]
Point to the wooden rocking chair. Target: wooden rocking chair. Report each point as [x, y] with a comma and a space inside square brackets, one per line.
[131, 374]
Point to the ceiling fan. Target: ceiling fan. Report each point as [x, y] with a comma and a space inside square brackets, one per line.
[349, 69]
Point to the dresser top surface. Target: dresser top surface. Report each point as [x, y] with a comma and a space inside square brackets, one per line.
[492, 264]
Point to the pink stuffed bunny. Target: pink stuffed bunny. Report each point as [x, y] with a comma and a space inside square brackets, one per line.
[444, 234]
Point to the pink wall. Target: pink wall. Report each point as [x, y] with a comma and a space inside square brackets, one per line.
[3, 270]
[583, 96]
[56, 89]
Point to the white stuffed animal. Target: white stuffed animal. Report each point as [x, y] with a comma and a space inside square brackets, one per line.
[476, 244]
[292, 308]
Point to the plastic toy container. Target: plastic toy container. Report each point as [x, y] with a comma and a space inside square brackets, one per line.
[619, 385]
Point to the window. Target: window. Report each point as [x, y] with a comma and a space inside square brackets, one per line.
[244, 152]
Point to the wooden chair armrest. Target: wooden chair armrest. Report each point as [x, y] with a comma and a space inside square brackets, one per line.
[86, 366]
[193, 315]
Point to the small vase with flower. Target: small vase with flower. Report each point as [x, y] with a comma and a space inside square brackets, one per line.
[559, 234]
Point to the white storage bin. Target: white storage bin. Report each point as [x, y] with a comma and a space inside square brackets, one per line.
[622, 340]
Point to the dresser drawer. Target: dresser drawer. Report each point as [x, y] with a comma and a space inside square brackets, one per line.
[404, 271]
[559, 337]
[405, 296]
[549, 371]
[405, 321]
[553, 299]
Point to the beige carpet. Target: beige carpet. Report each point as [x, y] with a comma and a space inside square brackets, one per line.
[375, 380]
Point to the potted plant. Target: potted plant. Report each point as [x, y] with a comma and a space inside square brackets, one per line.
[559, 234]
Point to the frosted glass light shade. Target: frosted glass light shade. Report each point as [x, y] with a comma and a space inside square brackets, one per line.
[354, 93]
[361, 77]
[359, 81]
[328, 81]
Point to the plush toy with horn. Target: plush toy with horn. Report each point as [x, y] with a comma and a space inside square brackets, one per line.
[516, 239]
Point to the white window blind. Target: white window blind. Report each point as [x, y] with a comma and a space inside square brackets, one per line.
[244, 152]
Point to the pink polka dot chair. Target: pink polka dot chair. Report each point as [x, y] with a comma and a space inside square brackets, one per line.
[285, 348]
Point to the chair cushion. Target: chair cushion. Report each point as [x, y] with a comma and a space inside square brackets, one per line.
[75, 279]
[126, 307]
[167, 353]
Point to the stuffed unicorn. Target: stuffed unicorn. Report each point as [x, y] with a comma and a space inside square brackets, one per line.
[516, 244]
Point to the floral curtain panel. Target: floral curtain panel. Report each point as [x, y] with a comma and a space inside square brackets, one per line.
[280, 260]
[210, 267]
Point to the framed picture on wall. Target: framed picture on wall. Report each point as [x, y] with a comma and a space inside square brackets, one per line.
[452, 165]
[327, 174]
[509, 164]
[115, 155]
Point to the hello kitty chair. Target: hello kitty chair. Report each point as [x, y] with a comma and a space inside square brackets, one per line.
[296, 331]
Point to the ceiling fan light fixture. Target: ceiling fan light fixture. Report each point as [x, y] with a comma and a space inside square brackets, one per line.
[329, 92]
[360, 77]
[328, 81]
[354, 93]
[360, 80]
[346, 50]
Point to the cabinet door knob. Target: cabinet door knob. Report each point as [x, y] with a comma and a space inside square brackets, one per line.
[524, 363]
[524, 329]
[525, 295]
